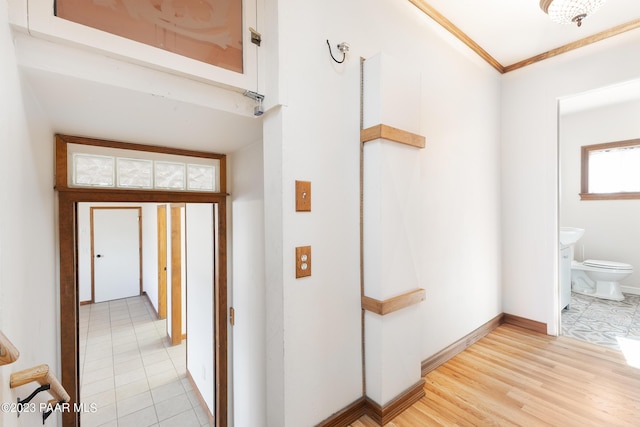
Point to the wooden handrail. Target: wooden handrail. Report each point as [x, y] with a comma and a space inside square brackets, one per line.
[8, 352]
[42, 375]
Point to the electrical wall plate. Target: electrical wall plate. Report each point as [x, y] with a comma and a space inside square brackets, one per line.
[303, 196]
[303, 261]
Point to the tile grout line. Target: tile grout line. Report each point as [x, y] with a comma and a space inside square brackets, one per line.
[144, 320]
[623, 320]
[146, 374]
[113, 365]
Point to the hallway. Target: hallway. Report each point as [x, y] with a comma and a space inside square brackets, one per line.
[129, 370]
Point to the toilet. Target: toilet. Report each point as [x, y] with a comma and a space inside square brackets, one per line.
[599, 278]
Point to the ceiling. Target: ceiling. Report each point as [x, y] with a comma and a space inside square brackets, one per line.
[102, 111]
[511, 31]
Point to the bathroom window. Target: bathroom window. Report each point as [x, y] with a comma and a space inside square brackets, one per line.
[611, 171]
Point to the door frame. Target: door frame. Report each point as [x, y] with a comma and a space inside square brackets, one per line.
[162, 261]
[176, 273]
[93, 256]
[68, 198]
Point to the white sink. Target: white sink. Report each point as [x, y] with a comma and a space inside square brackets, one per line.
[570, 235]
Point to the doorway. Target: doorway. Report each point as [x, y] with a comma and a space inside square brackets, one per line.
[68, 198]
[589, 129]
[130, 366]
[162, 261]
[116, 253]
[175, 329]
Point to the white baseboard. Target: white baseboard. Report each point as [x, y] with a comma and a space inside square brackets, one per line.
[630, 290]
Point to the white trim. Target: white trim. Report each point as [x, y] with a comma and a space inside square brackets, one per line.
[630, 290]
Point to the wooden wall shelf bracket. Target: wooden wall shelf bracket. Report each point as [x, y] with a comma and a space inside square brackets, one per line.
[392, 134]
[393, 304]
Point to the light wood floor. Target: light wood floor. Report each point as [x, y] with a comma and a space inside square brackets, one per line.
[515, 377]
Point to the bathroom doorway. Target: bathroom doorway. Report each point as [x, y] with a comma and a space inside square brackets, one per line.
[610, 225]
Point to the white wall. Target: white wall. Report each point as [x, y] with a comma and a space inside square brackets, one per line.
[150, 252]
[248, 254]
[183, 270]
[461, 257]
[530, 166]
[28, 274]
[84, 251]
[313, 324]
[611, 226]
[169, 272]
[199, 271]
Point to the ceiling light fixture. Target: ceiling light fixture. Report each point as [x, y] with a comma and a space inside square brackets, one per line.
[570, 11]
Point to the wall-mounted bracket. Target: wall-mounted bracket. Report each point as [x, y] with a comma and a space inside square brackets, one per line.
[256, 37]
[22, 403]
[43, 376]
[254, 95]
[53, 404]
[257, 110]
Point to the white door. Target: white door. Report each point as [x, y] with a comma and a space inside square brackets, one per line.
[116, 253]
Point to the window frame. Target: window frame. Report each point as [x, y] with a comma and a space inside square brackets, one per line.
[584, 171]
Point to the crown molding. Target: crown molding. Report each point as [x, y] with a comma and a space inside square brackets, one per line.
[428, 10]
[620, 29]
[457, 32]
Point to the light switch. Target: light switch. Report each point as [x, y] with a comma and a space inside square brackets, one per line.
[303, 261]
[303, 196]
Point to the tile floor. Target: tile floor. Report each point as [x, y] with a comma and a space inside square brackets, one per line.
[601, 321]
[129, 370]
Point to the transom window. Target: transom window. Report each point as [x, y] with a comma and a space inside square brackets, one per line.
[112, 165]
[611, 171]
